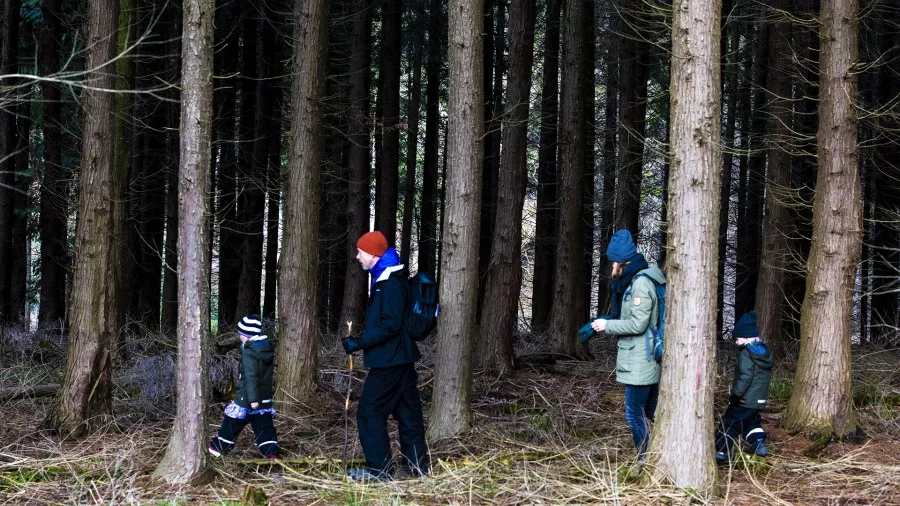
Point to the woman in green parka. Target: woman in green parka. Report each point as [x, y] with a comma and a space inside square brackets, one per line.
[633, 308]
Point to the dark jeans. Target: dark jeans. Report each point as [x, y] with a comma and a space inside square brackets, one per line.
[262, 425]
[738, 422]
[392, 391]
[640, 408]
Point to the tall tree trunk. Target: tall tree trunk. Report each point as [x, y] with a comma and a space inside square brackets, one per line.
[750, 224]
[687, 385]
[489, 167]
[355, 279]
[185, 458]
[9, 62]
[804, 172]
[297, 278]
[568, 278]
[21, 205]
[119, 272]
[822, 400]
[611, 119]
[54, 204]
[230, 240]
[428, 225]
[774, 256]
[169, 320]
[545, 232]
[391, 47]
[452, 410]
[730, 87]
[590, 161]
[412, 145]
[255, 191]
[886, 235]
[634, 71]
[273, 219]
[84, 400]
[504, 280]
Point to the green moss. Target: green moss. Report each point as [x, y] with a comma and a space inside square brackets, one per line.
[820, 442]
[780, 390]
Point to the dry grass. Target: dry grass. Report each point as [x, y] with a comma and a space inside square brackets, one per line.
[550, 435]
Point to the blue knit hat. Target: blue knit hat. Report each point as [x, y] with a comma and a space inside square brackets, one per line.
[746, 326]
[621, 247]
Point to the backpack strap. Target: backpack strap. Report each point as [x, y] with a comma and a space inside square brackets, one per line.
[648, 346]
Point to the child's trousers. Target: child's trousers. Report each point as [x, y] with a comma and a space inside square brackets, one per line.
[263, 428]
[737, 423]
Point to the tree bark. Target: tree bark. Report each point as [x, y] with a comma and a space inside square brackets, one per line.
[504, 280]
[452, 411]
[9, 62]
[391, 47]
[489, 167]
[355, 279]
[297, 277]
[568, 278]
[54, 204]
[634, 71]
[687, 385]
[428, 224]
[21, 209]
[185, 458]
[273, 220]
[412, 145]
[230, 241]
[545, 231]
[84, 402]
[169, 320]
[775, 253]
[119, 272]
[886, 235]
[750, 225]
[608, 199]
[730, 116]
[804, 172]
[590, 161]
[255, 191]
[822, 400]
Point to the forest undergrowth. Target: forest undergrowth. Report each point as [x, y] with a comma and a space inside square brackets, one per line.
[554, 433]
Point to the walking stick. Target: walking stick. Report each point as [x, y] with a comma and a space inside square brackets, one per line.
[347, 403]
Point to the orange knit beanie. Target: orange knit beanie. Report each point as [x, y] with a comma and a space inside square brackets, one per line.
[373, 243]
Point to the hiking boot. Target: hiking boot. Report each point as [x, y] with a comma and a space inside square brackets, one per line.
[366, 475]
[759, 447]
[214, 451]
[272, 457]
[408, 473]
[721, 459]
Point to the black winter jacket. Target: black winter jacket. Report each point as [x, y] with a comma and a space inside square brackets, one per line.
[255, 374]
[384, 341]
[752, 375]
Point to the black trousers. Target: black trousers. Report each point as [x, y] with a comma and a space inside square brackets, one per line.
[737, 423]
[392, 391]
[263, 427]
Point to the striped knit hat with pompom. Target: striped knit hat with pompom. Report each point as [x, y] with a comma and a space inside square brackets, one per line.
[250, 326]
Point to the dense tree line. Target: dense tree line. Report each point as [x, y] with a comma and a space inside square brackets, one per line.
[161, 174]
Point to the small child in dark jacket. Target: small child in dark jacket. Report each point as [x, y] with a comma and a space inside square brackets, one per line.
[253, 401]
[749, 392]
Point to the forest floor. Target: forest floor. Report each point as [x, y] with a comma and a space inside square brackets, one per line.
[552, 434]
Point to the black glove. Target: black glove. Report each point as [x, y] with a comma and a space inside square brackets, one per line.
[734, 400]
[351, 344]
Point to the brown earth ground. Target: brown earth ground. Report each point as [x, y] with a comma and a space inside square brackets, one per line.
[552, 434]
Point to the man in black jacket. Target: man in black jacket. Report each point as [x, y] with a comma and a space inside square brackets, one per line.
[390, 356]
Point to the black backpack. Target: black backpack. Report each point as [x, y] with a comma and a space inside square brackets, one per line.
[423, 308]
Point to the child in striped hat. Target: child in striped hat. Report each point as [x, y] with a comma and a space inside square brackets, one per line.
[253, 402]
